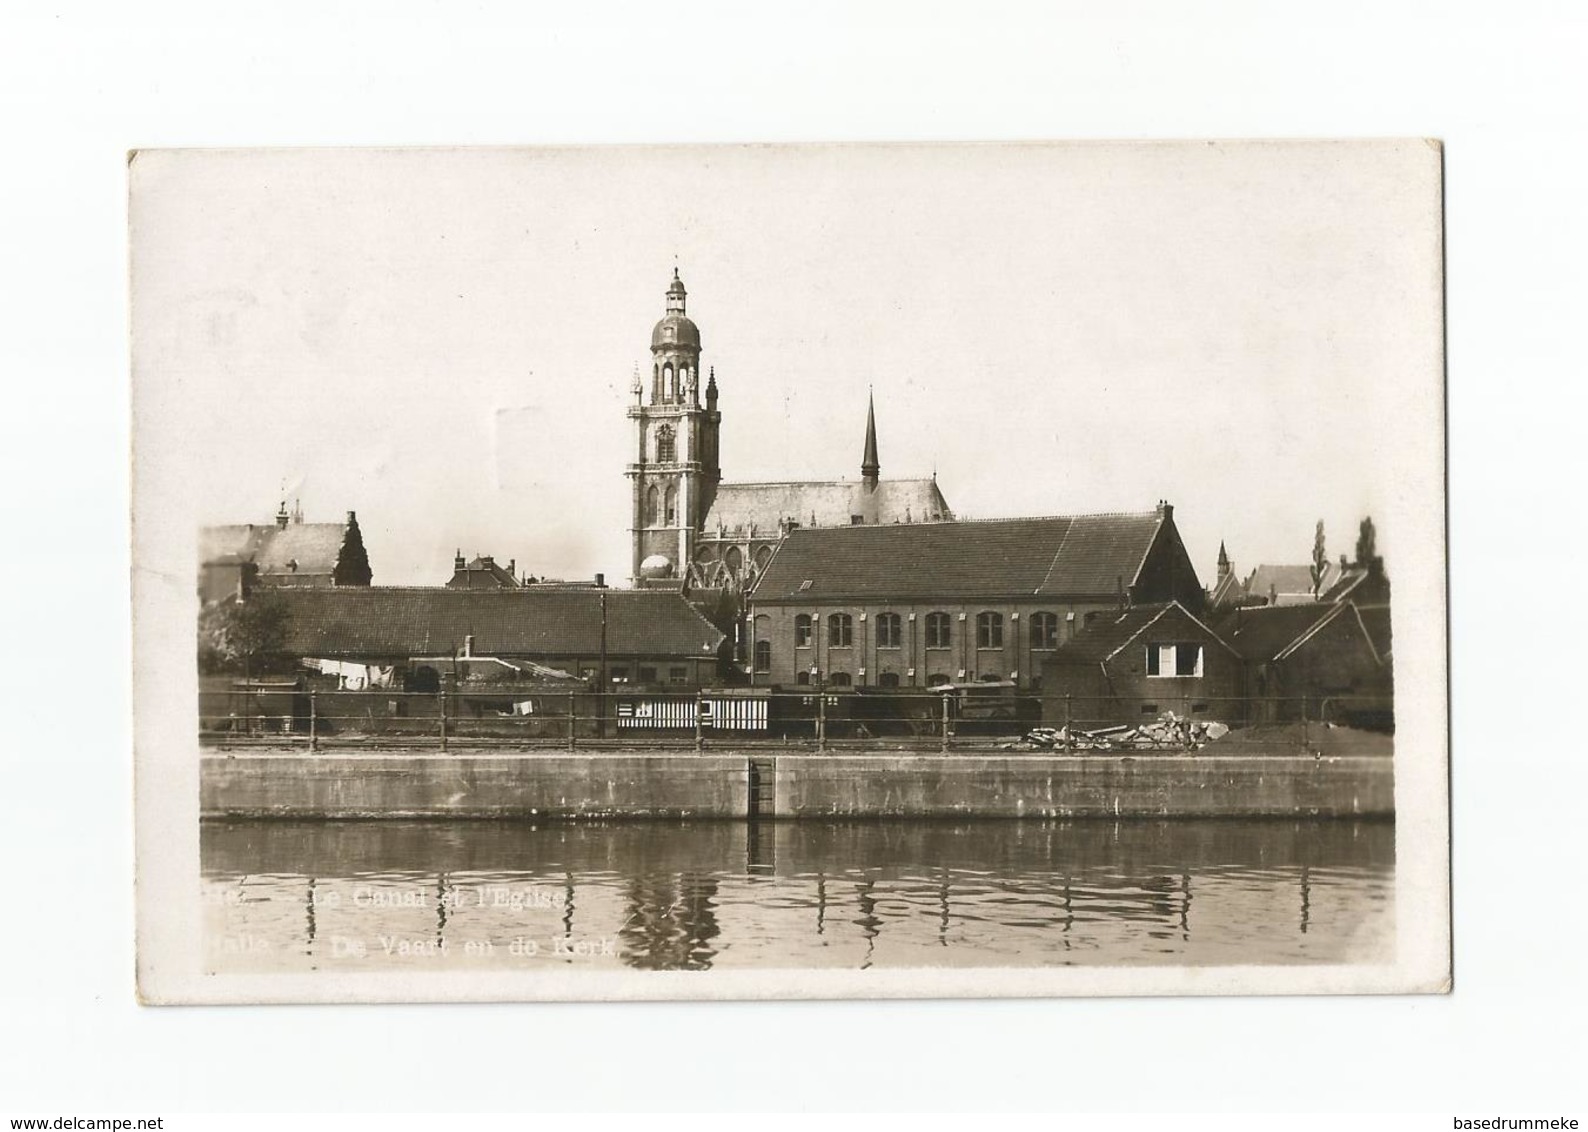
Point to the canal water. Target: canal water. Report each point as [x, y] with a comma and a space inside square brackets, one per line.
[365, 896]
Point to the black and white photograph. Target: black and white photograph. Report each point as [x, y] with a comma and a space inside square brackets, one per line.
[737, 565]
[872, 570]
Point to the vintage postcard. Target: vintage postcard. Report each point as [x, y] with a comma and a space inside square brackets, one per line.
[790, 571]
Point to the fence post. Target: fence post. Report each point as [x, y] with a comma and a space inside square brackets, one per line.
[1067, 718]
[443, 700]
[945, 724]
[314, 735]
[700, 728]
[821, 720]
[1304, 736]
[573, 722]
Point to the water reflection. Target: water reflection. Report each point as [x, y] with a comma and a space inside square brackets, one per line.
[699, 896]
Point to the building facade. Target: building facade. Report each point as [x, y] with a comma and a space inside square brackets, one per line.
[916, 606]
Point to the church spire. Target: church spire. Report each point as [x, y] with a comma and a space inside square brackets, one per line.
[869, 468]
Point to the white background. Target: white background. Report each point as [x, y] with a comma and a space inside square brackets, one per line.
[1502, 87]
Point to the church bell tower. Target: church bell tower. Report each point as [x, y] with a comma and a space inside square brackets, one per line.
[675, 472]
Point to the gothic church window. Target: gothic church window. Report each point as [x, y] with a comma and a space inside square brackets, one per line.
[672, 506]
[665, 448]
[653, 506]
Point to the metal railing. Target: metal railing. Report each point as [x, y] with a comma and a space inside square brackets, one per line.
[962, 717]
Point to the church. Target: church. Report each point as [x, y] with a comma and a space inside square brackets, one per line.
[689, 528]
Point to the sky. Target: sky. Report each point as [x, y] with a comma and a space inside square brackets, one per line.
[444, 340]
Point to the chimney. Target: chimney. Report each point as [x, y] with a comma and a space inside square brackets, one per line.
[1165, 509]
[352, 518]
[468, 645]
[512, 567]
[601, 581]
[282, 518]
[457, 559]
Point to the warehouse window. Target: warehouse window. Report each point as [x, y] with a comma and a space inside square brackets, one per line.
[763, 656]
[989, 630]
[678, 674]
[888, 633]
[937, 630]
[888, 680]
[1174, 660]
[1044, 630]
[802, 631]
[840, 630]
[841, 680]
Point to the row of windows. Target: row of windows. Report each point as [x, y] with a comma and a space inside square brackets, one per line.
[1043, 629]
[884, 679]
[665, 385]
[619, 674]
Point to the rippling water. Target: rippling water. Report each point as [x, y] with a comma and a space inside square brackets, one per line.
[662, 896]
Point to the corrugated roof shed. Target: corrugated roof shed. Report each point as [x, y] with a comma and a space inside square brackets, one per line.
[1066, 556]
[387, 621]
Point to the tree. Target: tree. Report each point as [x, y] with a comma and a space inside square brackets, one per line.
[1320, 561]
[247, 636]
[1366, 540]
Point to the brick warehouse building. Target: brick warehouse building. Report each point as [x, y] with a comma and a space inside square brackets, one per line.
[916, 605]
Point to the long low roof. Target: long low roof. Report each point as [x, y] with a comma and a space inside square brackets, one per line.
[737, 508]
[388, 621]
[1061, 556]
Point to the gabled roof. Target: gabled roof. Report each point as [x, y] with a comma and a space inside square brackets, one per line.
[1267, 632]
[297, 548]
[482, 573]
[1082, 556]
[1108, 633]
[1227, 593]
[739, 508]
[1292, 584]
[535, 621]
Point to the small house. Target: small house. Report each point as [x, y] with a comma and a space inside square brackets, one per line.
[1137, 663]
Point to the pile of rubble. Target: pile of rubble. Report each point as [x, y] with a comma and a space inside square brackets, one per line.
[1167, 732]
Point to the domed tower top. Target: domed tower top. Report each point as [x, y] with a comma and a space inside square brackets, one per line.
[675, 329]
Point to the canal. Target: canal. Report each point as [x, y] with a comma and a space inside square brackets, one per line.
[481, 895]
